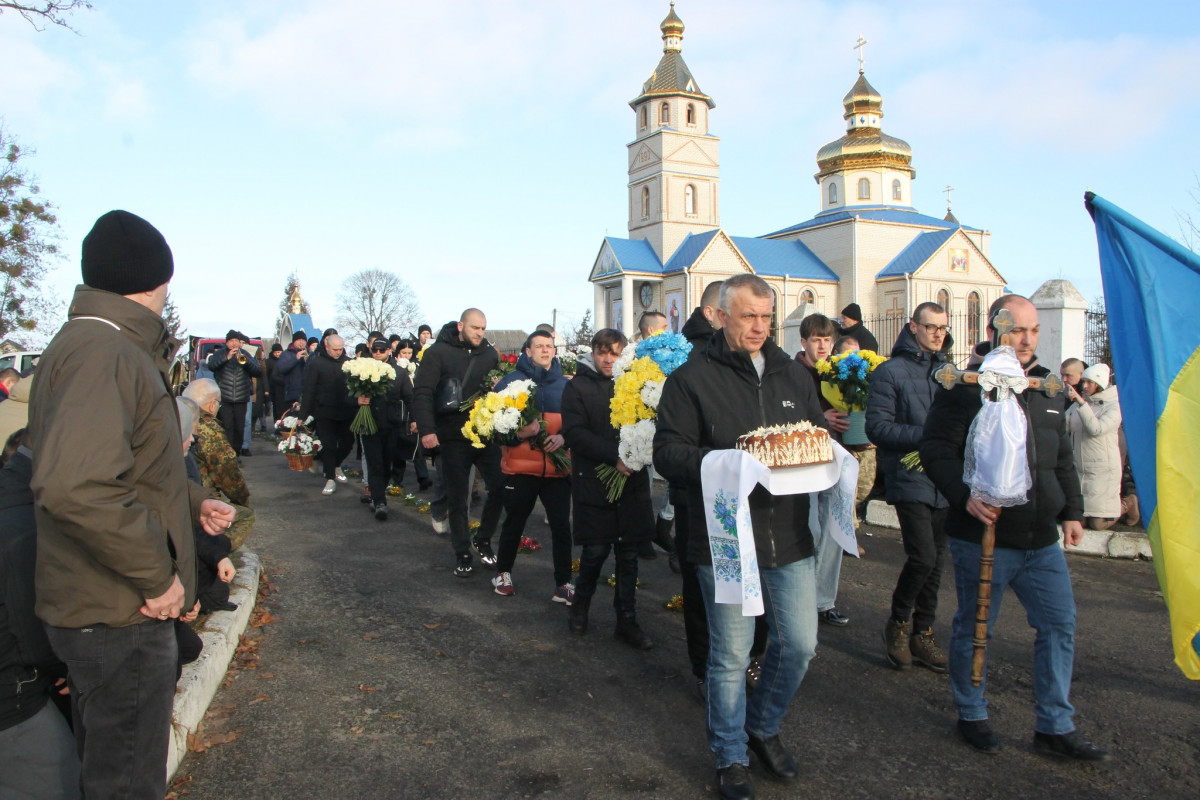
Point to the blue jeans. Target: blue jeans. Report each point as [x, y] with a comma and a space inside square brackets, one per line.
[790, 605]
[1042, 583]
[122, 690]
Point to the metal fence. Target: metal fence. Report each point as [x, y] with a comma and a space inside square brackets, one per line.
[1096, 347]
[965, 331]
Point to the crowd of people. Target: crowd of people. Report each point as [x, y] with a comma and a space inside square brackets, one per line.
[103, 573]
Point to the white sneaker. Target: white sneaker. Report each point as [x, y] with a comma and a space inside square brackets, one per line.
[440, 525]
[330, 486]
[339, 475]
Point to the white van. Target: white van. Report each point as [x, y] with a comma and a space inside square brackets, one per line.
[22, 362]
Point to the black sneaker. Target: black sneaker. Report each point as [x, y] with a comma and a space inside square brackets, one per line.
[463, 568]
[979, 734]
[831, 616]
[1068, 745]
[381, 511]
[486, 556]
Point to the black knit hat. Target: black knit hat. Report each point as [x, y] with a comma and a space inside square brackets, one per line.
[299, 335]
[236, 335]
[424, 328]
[277, 348]
[124, 254]
[853, 312]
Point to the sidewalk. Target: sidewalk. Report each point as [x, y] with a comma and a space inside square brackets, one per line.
[201, 678]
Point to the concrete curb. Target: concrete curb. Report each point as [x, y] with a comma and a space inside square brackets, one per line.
[202, 677]
[1105, 544]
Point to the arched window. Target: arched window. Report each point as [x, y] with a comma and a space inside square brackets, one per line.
[645, 116]
[943, 300]
[974, 317]
[807, 296]
[689, 199]
[691, 114]
[832, 193]
[645, 201]
[864, 189]
[896, 190]
[664, 114]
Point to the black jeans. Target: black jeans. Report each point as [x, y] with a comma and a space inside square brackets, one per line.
[695, 619]
[923, 529]
[377, 447]
[457, 459]
[336, 443]
[122, 690]
[592, 561]
[232, 417]
[520, 493]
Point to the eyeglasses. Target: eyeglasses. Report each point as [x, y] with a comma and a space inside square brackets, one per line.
[932, 329]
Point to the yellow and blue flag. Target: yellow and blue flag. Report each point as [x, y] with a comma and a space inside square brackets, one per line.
[1152, 295]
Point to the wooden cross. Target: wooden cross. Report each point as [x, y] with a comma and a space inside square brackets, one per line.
[949, 375]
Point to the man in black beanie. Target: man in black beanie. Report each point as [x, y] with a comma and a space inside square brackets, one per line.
[852, 326]
[116, 561]
[234, 370]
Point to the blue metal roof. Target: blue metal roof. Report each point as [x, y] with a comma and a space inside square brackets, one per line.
[303, 322]
[876, 214]
[689, 250]
[917, 253]
[634, 255]
[773, 257]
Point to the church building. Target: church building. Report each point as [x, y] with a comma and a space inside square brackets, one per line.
[868, 244]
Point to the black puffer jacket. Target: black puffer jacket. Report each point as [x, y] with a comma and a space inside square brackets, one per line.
[706, 405]
[1055, 495]
[449, 359]
[588, 431]
[325, 396]
[233, 378]
[902, 390]
[697, 330]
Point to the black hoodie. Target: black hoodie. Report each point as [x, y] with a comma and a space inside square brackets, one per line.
[449, 358]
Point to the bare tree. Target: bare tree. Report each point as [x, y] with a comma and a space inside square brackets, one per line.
[52, 11]
[376, 300]
[28, 232]
[1189, 226]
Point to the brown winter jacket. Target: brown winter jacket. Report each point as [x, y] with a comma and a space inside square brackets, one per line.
[111, 492]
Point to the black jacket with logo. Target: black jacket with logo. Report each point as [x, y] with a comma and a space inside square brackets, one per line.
[706, 405]
[449, 358]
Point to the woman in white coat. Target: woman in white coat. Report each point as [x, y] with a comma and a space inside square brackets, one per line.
[1093, 420]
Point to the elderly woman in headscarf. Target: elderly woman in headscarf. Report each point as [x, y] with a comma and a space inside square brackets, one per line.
[1093, 420]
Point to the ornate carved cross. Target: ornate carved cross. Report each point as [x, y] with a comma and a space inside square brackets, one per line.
[949, 375]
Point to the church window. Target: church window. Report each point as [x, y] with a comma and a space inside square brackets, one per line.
[691, 114]
[807, 296]
[864, 189]
[689, 200]
[645, 116]
[664, 114]
[645, 202]
[974, 317]
[943, 300]
[896, 190]
[832, 193]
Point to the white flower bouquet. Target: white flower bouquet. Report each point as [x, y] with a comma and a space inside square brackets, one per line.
[299, 443]
[367, 377]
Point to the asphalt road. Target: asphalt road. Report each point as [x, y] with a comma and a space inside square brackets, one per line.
[379, 674]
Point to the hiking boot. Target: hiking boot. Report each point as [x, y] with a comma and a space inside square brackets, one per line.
[330, 488]
[629, 632]
[486, 556]
[895, 638]
[925, 651]
[339, 476]
[381, 511]
[1068, 745]
[577, 616]
[564, 594]
[979, 734]
[503, 584]
[463, 568]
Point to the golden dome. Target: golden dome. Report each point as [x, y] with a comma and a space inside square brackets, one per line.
[861, 92]
[672, 24]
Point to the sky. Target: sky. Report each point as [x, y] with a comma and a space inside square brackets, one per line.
[477, 148]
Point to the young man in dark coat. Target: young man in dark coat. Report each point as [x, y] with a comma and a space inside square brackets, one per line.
[327, 400]
[853, 327]
[1028, 556]
[453, 369]
[290, 370]
[902, 390]
[601, 526]
[741, 382]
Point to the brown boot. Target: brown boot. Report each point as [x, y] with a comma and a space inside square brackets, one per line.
[895, 638]
[577, 615]
[631, 633]
[925, 651]
[1131, 513]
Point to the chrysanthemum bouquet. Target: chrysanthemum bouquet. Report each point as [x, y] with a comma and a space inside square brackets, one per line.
[845, 378]
[367, 377]
[640, 374]
[297, 438]
[499, 415]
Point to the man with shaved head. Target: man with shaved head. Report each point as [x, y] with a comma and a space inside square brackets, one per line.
[453, 369]
[326, 398]
[1028, 557]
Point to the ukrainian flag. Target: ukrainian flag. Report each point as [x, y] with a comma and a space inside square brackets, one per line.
[1152, 295]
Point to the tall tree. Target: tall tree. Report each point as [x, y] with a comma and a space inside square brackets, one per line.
[171, 318]
[376, 300]
[582, 333]
[28, 232]
[52, 11]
